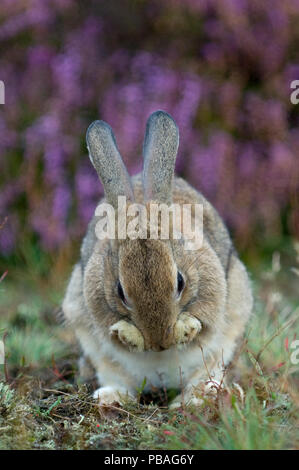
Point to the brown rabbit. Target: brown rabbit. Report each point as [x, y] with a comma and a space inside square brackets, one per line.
[150, 307]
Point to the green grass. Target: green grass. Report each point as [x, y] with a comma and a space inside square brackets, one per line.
[44, 406]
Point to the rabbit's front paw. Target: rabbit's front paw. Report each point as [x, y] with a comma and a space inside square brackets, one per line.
[108, 395]
[186, 329]
[128, 335]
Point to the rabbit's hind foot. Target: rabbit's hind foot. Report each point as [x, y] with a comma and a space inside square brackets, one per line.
[110, 395]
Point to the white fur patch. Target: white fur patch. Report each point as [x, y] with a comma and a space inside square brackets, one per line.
[108, 395]
[171, 368]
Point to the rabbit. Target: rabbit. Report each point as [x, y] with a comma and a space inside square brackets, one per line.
[148, 308]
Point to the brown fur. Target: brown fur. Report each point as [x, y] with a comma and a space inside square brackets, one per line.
[217, 290]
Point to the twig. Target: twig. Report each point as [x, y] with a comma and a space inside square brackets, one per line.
[3, 276]
[56, 391]
[182, 392]
[61, 417]
[205, 364]
[6, 375]
[56, 371]
[150, 416]
[277, 333]
[104, 406]
[127, 413]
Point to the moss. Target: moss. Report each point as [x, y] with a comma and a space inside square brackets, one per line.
[43, 406]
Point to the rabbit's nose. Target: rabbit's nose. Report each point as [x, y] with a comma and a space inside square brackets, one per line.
[158, 348]
[166, 341]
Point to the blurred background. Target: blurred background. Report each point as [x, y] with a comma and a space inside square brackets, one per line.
[222, 69]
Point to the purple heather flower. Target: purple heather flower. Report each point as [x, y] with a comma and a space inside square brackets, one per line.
[225, 77]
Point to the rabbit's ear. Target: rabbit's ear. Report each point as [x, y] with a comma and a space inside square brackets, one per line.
[106, 159]
[159, 151]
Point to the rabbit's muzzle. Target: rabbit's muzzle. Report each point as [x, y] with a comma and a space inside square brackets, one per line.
[162, 341]
[183, 331]
[131, 337]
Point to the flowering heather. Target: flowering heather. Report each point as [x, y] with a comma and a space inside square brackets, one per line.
[222, 69]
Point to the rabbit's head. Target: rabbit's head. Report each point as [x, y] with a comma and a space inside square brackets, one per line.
[148, 282]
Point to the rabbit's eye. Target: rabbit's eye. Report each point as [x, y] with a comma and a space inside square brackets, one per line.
[181, 283]
[120, 293]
